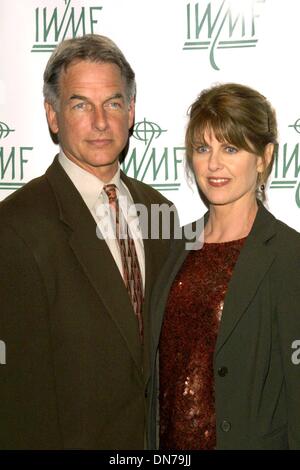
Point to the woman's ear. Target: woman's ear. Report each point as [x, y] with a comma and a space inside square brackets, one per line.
[268, 154]
[264, 162]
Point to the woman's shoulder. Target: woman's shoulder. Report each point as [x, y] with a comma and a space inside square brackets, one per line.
[280, 241]
[284, 233]
[286, 242]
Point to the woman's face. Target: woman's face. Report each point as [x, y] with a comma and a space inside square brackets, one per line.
[224, 173]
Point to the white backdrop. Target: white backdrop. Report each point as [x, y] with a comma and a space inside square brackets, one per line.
[177, 48]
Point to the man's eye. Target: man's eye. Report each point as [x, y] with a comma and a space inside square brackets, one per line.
[114, 104]
[80, 106]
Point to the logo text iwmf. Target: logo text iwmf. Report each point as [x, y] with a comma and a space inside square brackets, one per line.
[287, 169]
[12, 161]
[221, 25]
[52, 25]
[148, 163]
[286, 172]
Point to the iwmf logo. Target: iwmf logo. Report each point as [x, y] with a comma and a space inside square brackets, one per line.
[151, 164]
[12, 162]
[226, 24]
[52, 25]
[287, 166]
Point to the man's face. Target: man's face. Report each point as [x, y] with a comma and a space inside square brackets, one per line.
[93, 116]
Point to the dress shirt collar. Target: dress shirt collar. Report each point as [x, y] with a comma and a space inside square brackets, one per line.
[88, 185]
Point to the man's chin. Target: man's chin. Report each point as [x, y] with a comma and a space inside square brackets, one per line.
[102, 163]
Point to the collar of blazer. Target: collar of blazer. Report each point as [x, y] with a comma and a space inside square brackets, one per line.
[94, 255]
[254, 260]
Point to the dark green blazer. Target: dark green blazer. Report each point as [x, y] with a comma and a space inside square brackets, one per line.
[75, 373]
[257, 380]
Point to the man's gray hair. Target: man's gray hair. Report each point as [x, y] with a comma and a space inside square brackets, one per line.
[93, 48]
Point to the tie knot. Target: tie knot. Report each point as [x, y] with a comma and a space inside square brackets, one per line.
[110, 190]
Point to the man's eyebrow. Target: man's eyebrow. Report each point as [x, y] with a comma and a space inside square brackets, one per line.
[84, 98]
[78, 97]
[116, 96]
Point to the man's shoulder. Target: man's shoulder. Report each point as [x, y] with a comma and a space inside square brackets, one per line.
[32, 201]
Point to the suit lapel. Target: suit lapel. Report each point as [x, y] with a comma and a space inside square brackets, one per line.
[152, 259]
[139, 198]
[95, 258]
[254, 261]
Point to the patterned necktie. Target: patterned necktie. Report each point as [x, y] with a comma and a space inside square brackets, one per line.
[130, 263]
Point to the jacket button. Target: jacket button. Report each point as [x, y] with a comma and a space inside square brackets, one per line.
[222, 371]
[225, 425]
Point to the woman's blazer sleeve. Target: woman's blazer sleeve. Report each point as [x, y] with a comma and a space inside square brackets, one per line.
[287, 293]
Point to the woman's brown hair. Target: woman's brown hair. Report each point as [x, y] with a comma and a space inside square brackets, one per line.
[236, 114]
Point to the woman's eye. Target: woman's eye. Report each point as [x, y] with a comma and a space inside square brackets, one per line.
[201, 149]
[230, 149]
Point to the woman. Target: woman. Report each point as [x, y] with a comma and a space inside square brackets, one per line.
[229, 313]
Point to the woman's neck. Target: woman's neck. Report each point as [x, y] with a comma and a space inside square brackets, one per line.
[229, 222]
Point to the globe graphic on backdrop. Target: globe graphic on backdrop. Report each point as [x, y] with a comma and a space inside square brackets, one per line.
[147, 130]
[296, 126]
[4, 130]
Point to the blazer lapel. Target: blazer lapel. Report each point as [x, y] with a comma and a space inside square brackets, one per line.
[254, 261]
[163, 286]
[95, 258]
[178, 253]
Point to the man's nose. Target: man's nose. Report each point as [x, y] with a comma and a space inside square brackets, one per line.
[100, 119]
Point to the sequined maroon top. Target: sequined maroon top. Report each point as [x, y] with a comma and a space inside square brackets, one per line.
[189, 334]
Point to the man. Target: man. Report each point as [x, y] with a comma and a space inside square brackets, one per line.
[76, 341]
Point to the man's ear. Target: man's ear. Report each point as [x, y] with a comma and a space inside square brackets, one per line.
[51, 117]
[131, 113]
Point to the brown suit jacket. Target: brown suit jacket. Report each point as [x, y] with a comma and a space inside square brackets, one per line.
[75, 373]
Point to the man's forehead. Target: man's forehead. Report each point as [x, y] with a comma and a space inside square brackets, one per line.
[86, 73]
[88, 65]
